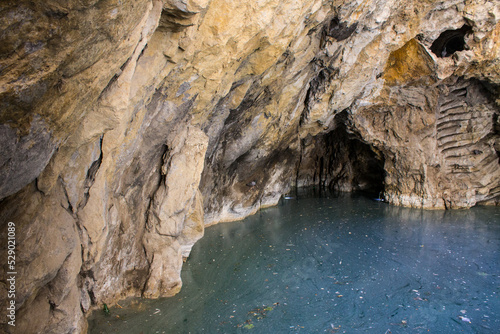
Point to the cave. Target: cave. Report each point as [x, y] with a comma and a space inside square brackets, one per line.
[128, 127]
[351, 164]
[341, 161]
[451, 41]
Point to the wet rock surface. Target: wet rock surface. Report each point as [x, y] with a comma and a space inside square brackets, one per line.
[128, 126]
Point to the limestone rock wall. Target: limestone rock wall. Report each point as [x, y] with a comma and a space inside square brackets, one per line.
[128, 126]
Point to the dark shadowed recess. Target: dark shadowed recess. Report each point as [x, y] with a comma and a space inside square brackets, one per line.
[337, 30]
[451, 41]
[354, 156]
[341, 161]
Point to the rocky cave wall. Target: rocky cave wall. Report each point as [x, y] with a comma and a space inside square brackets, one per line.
[126, 127]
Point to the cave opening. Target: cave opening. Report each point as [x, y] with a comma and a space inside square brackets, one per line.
[357, 166]
[341, 161]
[451, 41]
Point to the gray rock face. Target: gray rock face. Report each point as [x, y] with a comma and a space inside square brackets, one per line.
[127, 127]
[23, 157]
[434, 150]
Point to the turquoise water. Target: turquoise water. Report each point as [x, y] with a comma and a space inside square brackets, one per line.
[345, 264]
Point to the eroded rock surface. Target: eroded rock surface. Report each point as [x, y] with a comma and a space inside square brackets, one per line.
[128, 126]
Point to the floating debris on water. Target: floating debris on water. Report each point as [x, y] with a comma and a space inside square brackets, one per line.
[438, 288]
[334, 329]
[465, 319]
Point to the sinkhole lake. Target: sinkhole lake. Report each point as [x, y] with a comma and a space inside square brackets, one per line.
[332, 264]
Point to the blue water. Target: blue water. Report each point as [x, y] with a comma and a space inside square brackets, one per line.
[335, 264]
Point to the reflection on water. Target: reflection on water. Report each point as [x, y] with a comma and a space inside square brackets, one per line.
[332, 265]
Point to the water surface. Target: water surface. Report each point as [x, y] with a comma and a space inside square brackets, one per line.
[336, 264]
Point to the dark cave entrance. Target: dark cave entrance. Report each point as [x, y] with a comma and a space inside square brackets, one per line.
[450, 41]
[341, 161]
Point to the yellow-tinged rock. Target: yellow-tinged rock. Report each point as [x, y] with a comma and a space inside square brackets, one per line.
[408, 64]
